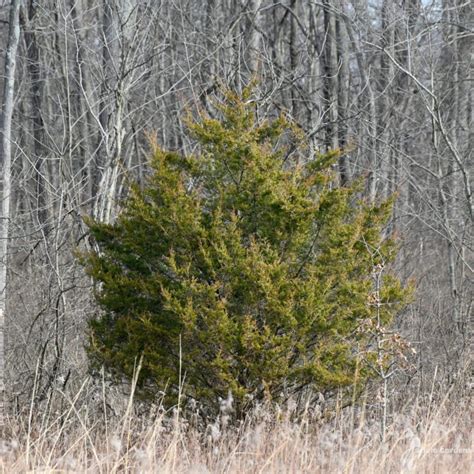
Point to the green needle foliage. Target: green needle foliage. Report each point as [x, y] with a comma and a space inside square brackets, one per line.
[245, 265]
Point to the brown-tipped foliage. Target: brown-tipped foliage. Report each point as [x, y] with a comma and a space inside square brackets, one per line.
[245, 266]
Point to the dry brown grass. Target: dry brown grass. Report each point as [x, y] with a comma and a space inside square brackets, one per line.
[424, 437]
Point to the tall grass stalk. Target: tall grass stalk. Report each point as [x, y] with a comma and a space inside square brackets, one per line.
[433, 434]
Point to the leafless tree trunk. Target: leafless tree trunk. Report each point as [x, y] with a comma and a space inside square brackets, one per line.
[343, 93]
[5, 163]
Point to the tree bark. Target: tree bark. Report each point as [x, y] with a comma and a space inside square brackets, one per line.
[5, 164]
[33, 66]
[343, 94]
[330, 77]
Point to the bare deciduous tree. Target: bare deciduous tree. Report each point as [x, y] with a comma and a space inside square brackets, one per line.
[5, 173]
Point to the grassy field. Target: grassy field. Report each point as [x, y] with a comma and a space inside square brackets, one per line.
[428, 435]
